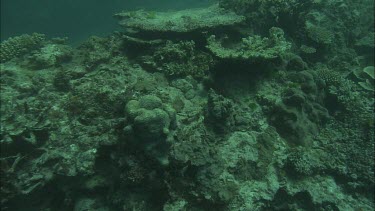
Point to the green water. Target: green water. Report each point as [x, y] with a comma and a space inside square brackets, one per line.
[74, 19]
[228, 105]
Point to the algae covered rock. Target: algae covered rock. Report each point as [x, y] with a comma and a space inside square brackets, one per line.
[219, 112]
[298, 110]
[97, 50]
[240, 147]
[296, 118]
[178, 21]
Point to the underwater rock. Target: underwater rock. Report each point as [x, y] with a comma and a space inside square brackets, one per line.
[191, 146]
[97, 50]
[299, 113]
[219, 111]
[89, 204]
[240, 147]
[322, 193]
[175, 205]
[297, 119]
[293, 125]
[182, 21]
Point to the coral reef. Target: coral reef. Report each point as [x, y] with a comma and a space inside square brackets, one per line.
[252, 47]
[51, 55]
[150, 121]
[178, 21]
[367, 77]
[196, 109]
[20, 45]
[180, 59]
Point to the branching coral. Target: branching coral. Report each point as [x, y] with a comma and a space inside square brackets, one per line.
[19, 45]
[180, 59]
[253, 47]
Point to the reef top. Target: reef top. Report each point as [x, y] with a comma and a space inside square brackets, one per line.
[178, 21]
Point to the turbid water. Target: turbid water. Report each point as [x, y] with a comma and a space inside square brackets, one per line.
[240, 105]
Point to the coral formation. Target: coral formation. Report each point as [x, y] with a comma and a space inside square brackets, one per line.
[150, 121]
[20, 45]
[252, 47]
[180, 59]
[51, 55]
[367, 77]
[179, 21]
[196, 109]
